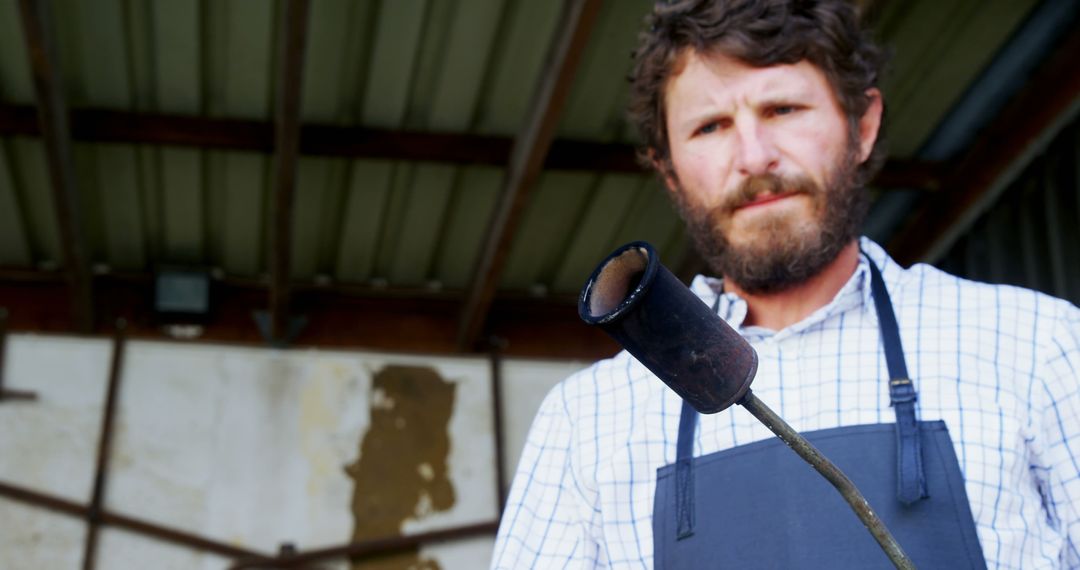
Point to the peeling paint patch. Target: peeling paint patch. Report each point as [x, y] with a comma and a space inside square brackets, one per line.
[425, 471]
[401, 473]
[380, 400]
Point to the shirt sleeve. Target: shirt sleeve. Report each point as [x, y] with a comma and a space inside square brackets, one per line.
[550, 515]
[1060, 433]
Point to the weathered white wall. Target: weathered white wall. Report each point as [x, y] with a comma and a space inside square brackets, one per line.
[525, 383]
[242, 445]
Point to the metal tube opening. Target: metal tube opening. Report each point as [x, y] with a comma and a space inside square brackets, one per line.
[617, 281]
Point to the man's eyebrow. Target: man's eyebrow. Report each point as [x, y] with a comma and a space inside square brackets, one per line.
[707, 114]
[784, 97]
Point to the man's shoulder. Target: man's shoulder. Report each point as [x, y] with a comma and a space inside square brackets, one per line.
[936, 291]
[926, 276]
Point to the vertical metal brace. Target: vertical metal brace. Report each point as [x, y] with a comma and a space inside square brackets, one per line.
[496, 346]
[97, 500]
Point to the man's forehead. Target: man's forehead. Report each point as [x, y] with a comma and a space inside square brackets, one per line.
[778, 77]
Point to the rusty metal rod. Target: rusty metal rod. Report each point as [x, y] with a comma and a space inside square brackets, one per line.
[368, 548]
[833, 474]
[497, 345]
[145, 528]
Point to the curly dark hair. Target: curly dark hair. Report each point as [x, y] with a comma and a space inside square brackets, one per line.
[760, 33]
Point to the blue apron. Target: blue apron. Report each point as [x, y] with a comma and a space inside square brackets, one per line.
[761, 506]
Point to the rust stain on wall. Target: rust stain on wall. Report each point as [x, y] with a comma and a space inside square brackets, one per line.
[401, 472]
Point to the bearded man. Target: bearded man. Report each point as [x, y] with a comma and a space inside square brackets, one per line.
[955, 406]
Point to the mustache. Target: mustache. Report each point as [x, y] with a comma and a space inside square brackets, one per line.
[754, 186]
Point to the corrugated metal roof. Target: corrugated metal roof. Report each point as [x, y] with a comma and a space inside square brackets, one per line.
[467, 66]
[457, 66]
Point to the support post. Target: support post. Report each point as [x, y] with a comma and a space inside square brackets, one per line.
[294, 20]
[53, 125]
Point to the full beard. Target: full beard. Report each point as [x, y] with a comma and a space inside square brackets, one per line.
[786, 250]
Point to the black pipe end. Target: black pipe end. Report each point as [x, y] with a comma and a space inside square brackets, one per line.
[647, 310]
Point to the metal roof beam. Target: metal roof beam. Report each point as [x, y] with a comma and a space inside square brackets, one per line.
[526, 162]
[107, 126]
[1050, 94]
[337, 316]
[52, 122]
[294, 20]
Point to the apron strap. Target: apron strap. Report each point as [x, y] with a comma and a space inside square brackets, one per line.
[911, 479]
[684, 472]
[684, 465]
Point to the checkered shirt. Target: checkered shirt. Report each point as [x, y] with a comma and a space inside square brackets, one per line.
[1000, 365]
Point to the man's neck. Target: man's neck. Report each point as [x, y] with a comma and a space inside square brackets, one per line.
[775, 311]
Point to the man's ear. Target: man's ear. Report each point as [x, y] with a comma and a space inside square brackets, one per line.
[663, 167]
[870, 123]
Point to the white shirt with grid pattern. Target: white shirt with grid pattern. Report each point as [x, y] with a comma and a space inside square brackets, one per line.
[1000, 365]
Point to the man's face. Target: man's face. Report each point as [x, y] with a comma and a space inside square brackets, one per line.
[763, 162]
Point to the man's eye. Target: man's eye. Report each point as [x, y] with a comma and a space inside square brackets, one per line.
[783, 109]
[713, 126]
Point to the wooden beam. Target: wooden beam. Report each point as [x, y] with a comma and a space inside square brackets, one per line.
[52, 123]
[107, 126]
[526, 162]
[294, 23]
[1048, 95]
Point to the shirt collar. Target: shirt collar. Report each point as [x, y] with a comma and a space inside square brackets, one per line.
[854, 293]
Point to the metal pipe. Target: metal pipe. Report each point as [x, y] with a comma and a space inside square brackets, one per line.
[833, 474]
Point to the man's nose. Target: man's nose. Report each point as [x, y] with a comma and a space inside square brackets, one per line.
[756, 153]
